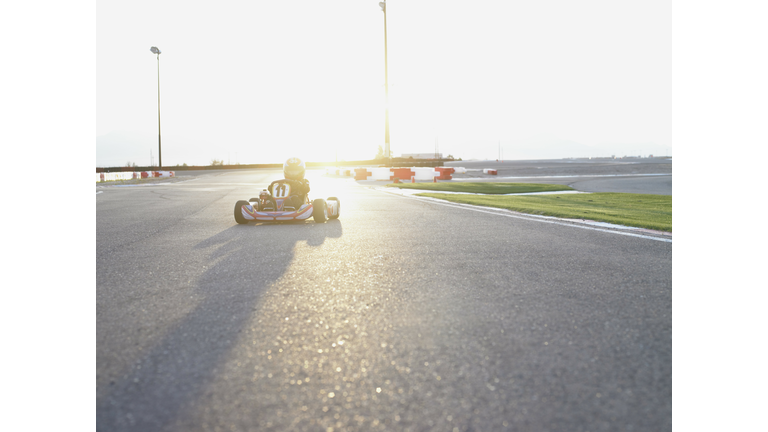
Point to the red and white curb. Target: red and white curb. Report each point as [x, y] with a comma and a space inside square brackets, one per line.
[661, 236]
[410, 192]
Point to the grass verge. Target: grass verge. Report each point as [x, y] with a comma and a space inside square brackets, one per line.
[484, 187]
[636, 210]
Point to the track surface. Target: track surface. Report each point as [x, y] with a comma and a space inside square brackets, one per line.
[629, 175]
[401, 315]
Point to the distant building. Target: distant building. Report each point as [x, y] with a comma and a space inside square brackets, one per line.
[422, 155]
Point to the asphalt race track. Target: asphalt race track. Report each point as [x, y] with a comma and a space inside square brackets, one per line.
[403, 314]
[629, 175]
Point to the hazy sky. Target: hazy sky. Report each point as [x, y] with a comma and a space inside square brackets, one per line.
[258, 81]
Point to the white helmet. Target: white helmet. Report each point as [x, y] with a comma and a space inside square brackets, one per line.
[294, 169]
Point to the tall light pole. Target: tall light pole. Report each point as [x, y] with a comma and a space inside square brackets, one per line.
[155, 50]
[383, 5]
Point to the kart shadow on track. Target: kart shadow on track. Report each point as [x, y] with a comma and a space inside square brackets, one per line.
[174, 375]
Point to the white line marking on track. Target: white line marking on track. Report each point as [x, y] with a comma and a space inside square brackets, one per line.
[419, 191]
[534, 218]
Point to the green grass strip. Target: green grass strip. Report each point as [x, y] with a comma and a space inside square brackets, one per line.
[635, 210]
[484, 187]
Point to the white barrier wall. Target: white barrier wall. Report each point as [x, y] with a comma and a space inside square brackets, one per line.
[347, 172]
[116, 176]
[128, 175]
[425, 173]
[380, 174]
[403, 174]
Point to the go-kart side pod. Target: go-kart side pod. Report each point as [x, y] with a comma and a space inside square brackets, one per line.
[246, 212]
[334, 207]
[319, 210]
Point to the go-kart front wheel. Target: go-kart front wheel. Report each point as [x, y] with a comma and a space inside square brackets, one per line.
[239, 212]
[336, 208]
[319, 210]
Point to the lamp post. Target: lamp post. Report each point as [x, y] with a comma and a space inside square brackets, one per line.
[383, 5]
[155, 50]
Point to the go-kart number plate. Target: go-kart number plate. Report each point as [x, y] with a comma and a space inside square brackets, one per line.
[281, 190]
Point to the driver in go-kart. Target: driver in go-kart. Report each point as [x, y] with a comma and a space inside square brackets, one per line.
[295, 193]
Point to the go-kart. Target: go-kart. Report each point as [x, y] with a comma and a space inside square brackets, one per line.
[274, 205]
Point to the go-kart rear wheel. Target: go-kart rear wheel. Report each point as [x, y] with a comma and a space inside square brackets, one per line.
[338, 208]
[239, 212]
[319, 210]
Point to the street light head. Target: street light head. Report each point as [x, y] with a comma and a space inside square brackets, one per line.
[383, 5]
[155, 50]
